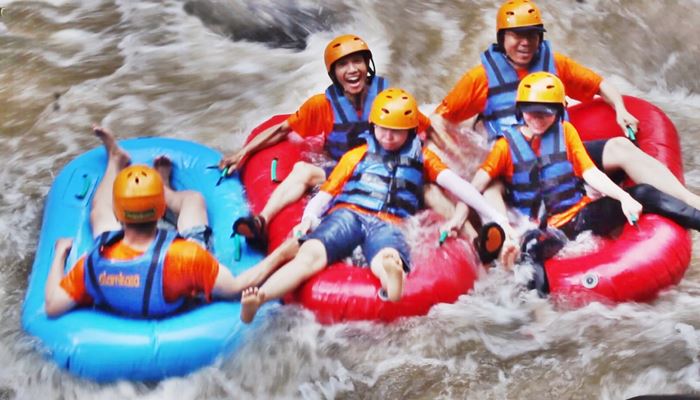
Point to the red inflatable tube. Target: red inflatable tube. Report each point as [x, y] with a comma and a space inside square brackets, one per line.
[344, 292]
[640, 262]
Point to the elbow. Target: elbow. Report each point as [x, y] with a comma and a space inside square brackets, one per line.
[51, 308]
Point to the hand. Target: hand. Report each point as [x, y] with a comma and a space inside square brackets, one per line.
[624, 120]
[63, 246]
[451, 227]
[232, 161]
[631, 208]
[301, 228]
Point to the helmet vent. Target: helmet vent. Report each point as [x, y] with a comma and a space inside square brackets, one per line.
[408, 112]
[385, 111]
[527, 85]
[530, 11]
[550, 86]
[510, 13]
[336, 45]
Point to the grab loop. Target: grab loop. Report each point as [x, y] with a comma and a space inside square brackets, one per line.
[237, 247]
[86, 186]
[443, 237]
[273, 170]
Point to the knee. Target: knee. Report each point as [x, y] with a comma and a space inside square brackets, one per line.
[303, 172]
[196, 199]
[495, 191]
[620, 149]
[312, 257]
[434, 198]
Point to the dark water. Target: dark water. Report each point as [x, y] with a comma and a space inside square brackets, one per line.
[209, 70]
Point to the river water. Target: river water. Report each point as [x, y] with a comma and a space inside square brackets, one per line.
[210, 70]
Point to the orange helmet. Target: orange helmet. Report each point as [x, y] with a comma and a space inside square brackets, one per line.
[541, 87]
[394, 108]
[138, 195]
[515, 14]
[342, 46]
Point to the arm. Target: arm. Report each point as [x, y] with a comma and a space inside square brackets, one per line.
[270, 136]
[316, 207]
[57, 301]
[437, 135]
[611, 96]
[599, 181]
[459, 216]
[470, 195]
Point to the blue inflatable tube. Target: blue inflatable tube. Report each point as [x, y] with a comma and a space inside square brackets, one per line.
[105, 347]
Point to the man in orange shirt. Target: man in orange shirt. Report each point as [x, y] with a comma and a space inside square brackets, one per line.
[340, 114]
[544, 162]
[134, 268]
[488, 90]
[373, 187]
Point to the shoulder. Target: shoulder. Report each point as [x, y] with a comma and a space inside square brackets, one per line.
[316, 101]
[181, 248]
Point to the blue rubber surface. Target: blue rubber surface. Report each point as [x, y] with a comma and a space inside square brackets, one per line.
[104, 347]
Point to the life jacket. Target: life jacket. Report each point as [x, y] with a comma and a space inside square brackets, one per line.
[503, 86]
[131, 287]
[349, 129]
[390, 182]
[548, 178]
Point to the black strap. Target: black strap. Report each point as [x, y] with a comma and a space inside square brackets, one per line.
[505, 88]
[554, 158]
[506, 112]
[151, 272]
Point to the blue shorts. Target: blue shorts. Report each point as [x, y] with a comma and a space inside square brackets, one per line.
[200, 234]
[343, 230]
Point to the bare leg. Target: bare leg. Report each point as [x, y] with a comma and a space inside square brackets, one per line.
[388, 267]
[303, 177]
[188, 205]
[102, 217]
[620, 153]
[436, 200]
[494, 196]
[256, 275]
[310, 259]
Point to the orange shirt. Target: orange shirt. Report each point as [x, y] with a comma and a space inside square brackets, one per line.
[499, 163]
[432, 166]
[468, 97]
[315, 117]
[189, 269]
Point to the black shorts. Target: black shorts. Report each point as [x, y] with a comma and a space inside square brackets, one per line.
[601, 216]
[595, 151]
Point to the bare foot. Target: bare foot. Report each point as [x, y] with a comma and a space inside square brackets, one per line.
[251, 300]
[393, 266]
[116, 153]
[164, 166]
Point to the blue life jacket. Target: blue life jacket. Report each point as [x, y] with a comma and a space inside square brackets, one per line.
[499, 113]
[548, 178]
[131, 287]
[390, 182]
[349, 129]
